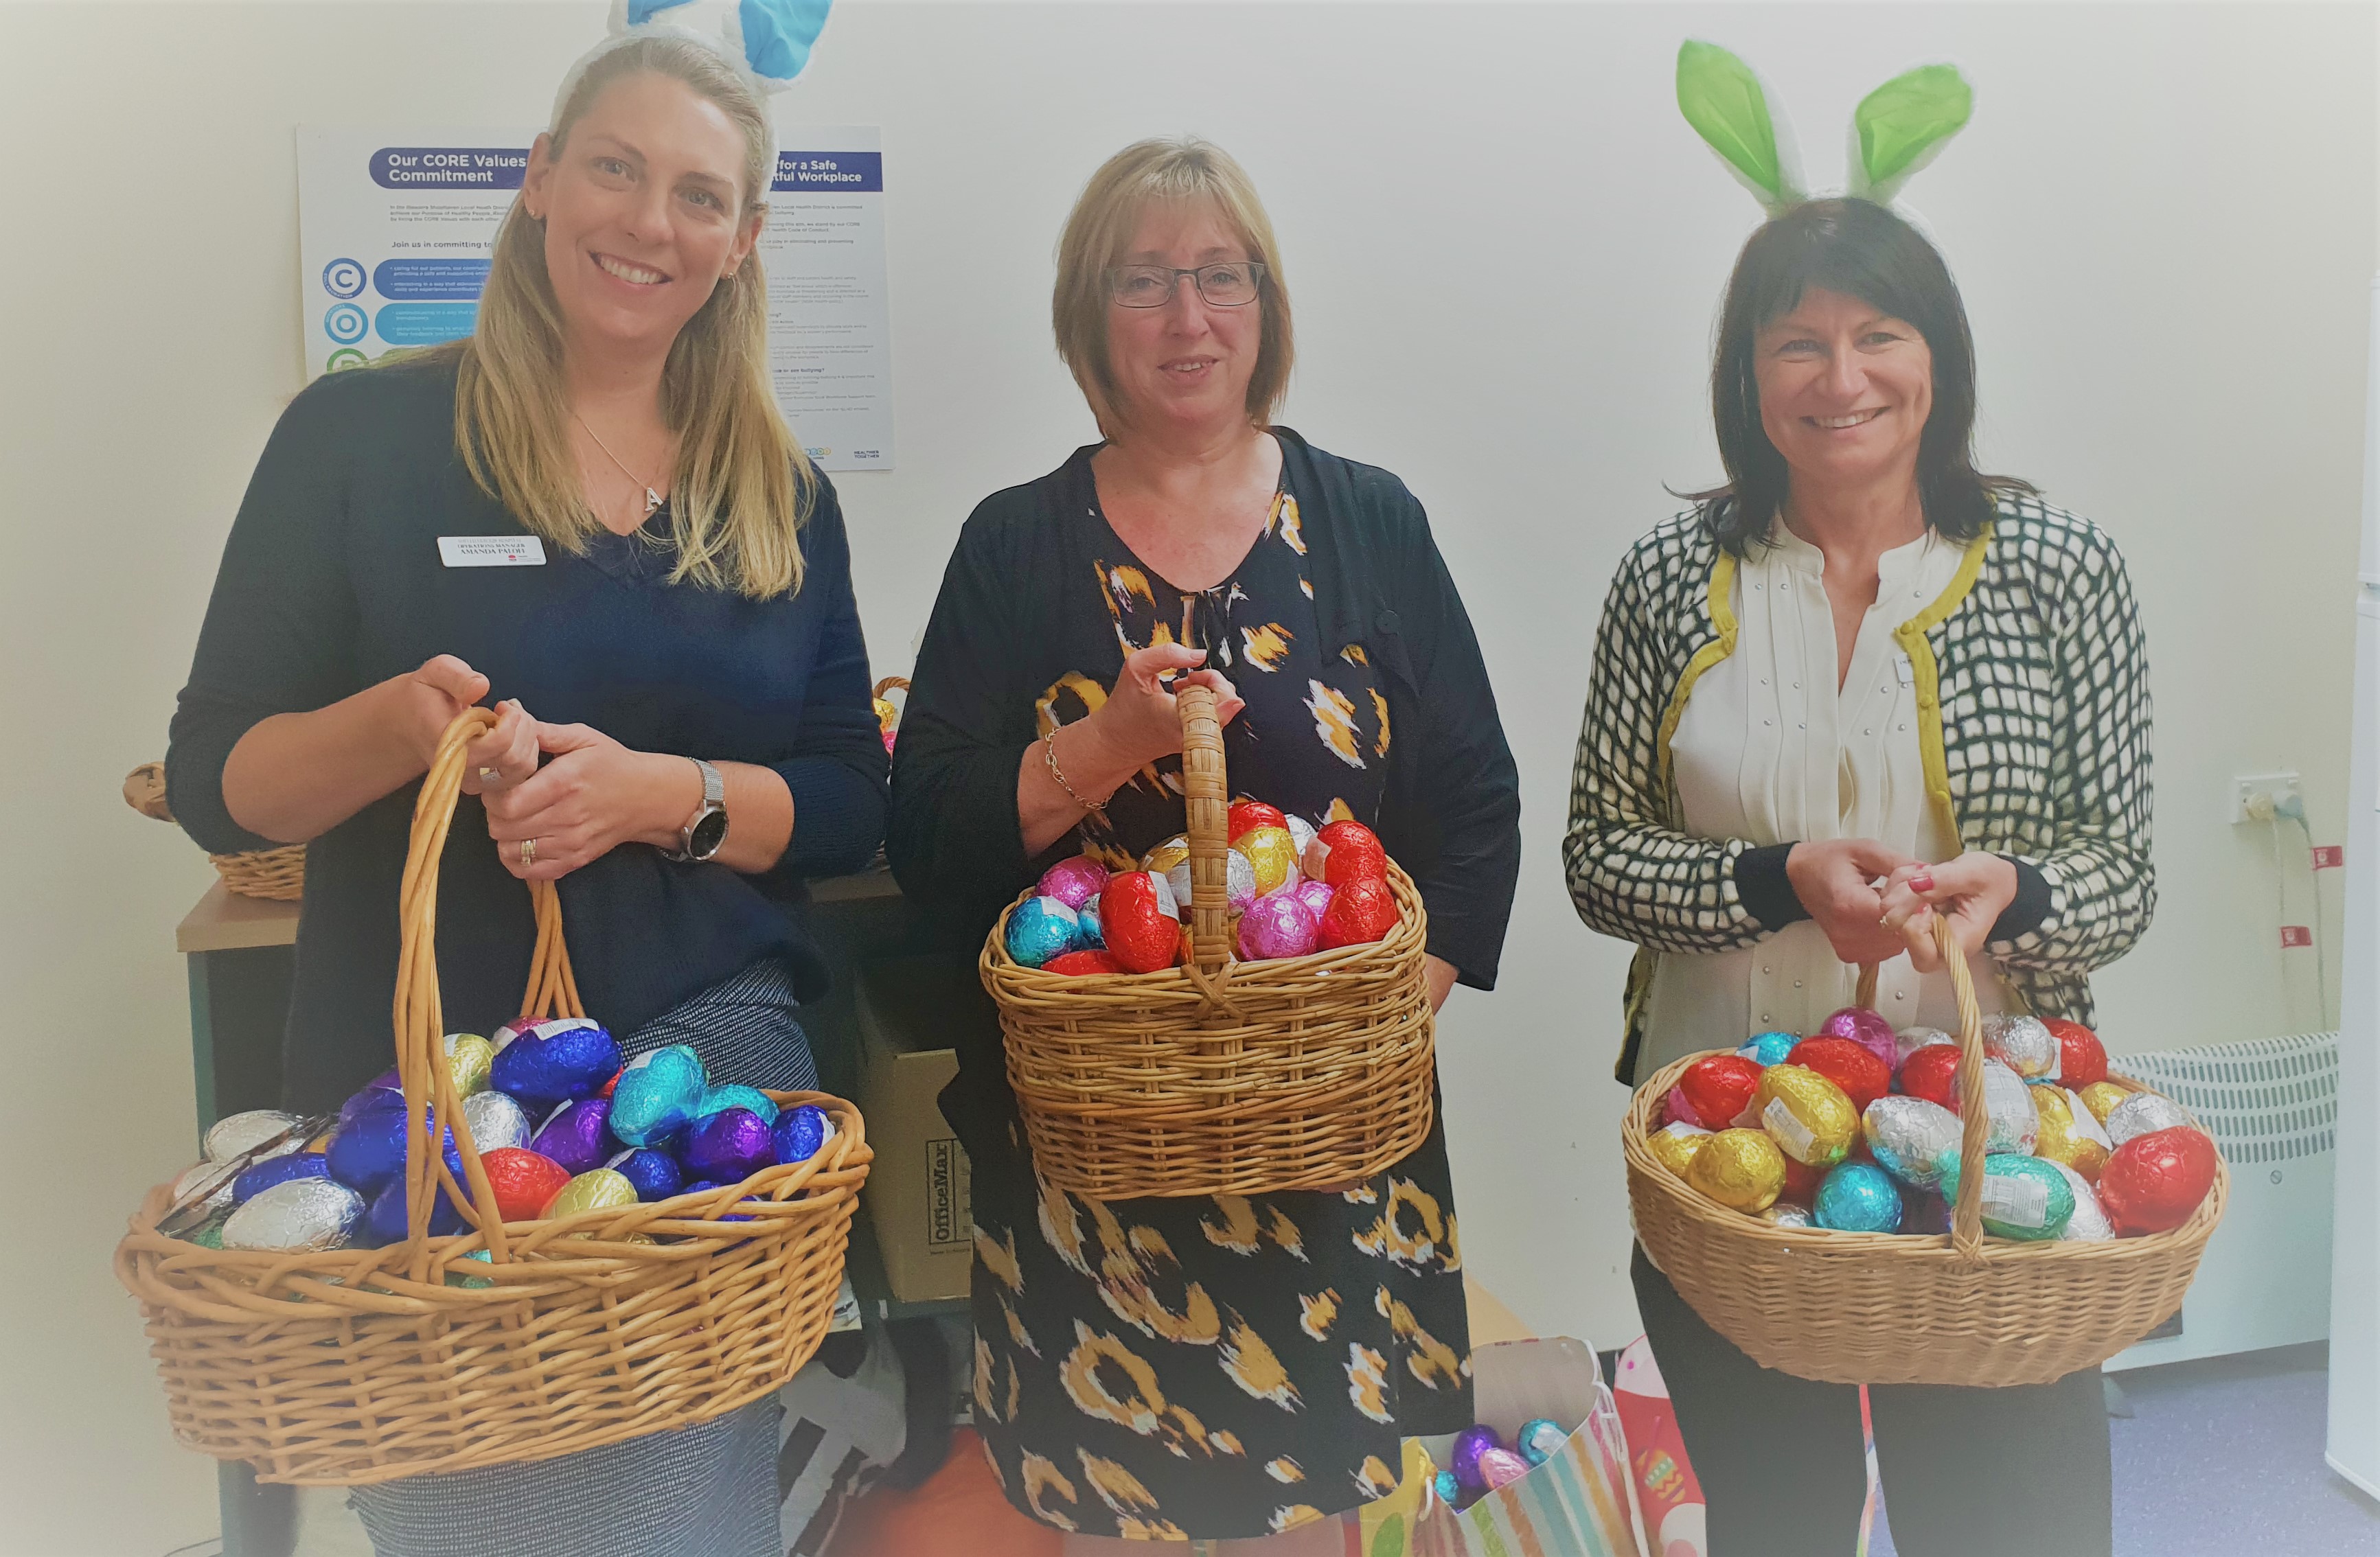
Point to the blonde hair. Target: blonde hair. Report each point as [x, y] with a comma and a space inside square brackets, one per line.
[1183, 171]
[743, 487]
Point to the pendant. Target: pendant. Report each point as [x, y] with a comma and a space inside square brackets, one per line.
[653, 503]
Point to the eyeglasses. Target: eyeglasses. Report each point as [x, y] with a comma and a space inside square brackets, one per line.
[1231, 285]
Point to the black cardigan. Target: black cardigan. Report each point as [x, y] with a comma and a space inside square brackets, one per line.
[1451, 812]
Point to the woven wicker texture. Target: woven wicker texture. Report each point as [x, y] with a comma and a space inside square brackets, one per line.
[1221, 1076]
[1893, 1308]
[278, 873]
[356, 1365]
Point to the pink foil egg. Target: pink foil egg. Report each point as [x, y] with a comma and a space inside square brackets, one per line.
[1278, 924]
[1073, 882]
[1316, 896]
[1500, 1467]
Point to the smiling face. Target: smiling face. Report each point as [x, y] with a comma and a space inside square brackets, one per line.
[1845, 390]
[1188, 363]
[644, 211]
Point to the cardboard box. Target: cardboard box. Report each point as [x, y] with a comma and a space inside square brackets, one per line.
[916, 1191]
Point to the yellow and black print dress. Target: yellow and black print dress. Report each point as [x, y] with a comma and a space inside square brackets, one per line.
[1221, 1367]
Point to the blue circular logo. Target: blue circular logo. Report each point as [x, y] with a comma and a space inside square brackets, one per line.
[345, 323]
[344, 278]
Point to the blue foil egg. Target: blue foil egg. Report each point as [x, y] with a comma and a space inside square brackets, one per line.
[1770, 1048]
[384, 1222]
[553, 1062]
[382, 1092]
[716, 1100]
[1086, 919]
[1540, 1438]
[800, 1133]
[655, 1174]
[1858, 1198]
[277, 1170]
[729, 1146]
[1041, 928]
[575, 1135]
[370, 1150]
[657, 1095]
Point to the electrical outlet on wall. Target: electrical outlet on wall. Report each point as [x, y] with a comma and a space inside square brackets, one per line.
[2256, 797]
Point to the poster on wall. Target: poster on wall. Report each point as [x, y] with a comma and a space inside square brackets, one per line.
[395, 228]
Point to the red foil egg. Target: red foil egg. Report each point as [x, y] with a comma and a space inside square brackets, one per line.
[1139, 922]
[2081, 1059]
[1346, 852]
[1719, 1088]
[1360, 909]
[1932, 1073]
[524, 1181]
[1246, 815]
[605, 1089]
[1849, 1065]
[1077, 963]
[2152, 1182]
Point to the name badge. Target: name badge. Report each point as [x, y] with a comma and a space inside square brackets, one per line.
[492, 551]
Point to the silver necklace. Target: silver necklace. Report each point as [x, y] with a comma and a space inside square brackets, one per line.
[653, 498]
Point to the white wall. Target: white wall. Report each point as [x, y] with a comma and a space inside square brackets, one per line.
[1506, 251]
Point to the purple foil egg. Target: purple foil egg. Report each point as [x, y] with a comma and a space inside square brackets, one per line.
[1278, 924]
[574, 1135]
[277, 1170]
[1463, 1459]
[729, 1146]
[1073, 882]
[1862, 1027]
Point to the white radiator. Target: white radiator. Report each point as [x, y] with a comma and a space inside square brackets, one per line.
[2272, 1105]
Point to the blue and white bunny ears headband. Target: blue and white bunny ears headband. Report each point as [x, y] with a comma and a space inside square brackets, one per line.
[1896, 130]
[768, 41]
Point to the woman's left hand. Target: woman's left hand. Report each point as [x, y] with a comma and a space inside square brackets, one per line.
[593, 796]
[1971, 891]
[1441, 974]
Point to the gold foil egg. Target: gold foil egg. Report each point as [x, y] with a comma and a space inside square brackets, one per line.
[1273, 855]
[596, 1190]
[2068, 1133]
[1811, 1119]
[1160, 860]
[468, 1055]
[1741, 1169]
[2101, 1097]
[1676, 1145]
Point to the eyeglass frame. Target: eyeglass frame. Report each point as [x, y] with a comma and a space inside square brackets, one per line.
[1256, 268]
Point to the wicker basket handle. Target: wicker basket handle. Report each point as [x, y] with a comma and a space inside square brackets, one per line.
[1207, 800]
[1974, 1119]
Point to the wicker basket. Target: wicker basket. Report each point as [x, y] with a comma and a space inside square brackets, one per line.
[358, 1366]
[1220, 1076]
[278, 873]
[1894, 1308]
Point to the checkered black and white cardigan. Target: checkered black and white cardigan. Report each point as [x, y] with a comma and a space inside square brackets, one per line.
[2034, 702]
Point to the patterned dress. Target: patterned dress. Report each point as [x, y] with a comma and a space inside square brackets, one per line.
[1225, 1366]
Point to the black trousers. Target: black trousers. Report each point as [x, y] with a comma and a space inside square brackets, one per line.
[2020, 1472]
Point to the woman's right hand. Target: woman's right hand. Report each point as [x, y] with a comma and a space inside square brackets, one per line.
[432, 697]
[1141, 722]
[1835, 880]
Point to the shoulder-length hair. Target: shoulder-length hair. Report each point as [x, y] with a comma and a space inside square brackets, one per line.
[1862, 250]
[1184, 171]
[741, 487]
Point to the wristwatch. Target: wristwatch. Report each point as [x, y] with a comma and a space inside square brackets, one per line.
[707, 828]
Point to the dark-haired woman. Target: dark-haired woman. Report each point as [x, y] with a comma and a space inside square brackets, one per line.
[1859, 686]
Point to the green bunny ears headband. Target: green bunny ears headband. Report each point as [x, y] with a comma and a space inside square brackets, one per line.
[1896, 130]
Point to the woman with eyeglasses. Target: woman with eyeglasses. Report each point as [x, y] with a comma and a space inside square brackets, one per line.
[1224, 1368]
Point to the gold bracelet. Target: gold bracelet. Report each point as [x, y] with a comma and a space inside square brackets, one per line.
[1050, 755]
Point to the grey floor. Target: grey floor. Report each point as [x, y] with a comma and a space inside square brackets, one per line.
[2223, 1457]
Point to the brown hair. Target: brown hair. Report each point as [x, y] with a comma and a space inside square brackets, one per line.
[1184, 171]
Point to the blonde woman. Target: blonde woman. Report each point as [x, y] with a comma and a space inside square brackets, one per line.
[686, 729]
[1224, 1368]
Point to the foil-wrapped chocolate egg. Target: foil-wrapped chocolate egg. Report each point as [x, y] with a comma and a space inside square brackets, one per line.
[1344, 851]
[800, 1133]
[1073, 882]
[384, 1220]
[2143, 1112]
[2014, 1122]
[1858, 1198]
[576, 1135]
[1039, 929]
[265, 1174]
[495, 1119]
[1785, 1213]
[1862, 1027]
[1932, 1073]
[1087, 920]
[2025, 1198]
[1463, 1457]
[2153, 1182]
[1079, 964]
[1272, 858]
[597, 1189]
[729, 1146]
[1810, 1118]
[1912, 1138]
[523, 1181]
[370, 1150]
[1143, 926]
[1239, 881]
[302, 1214]
[468, 1058]
[1741, 1169]
[476, 1283]
[1165, 856]
[1716, 1089]
[656, 1096]
[1361, 911]
[1447, 1489]
[719, 1098]
[1276, 925]
[2022, 1044]
[1246, 815]
[2068, 1133]
[235, 1134]
[653, 1174]
[209, 1233]
[550, 1062]
[1316, 896]
[1909, 1040]
[1675, 1110]
[2081, 1059]
[1301, 839]
[189, 1179]
[2089, 1224]
[1500, 1468]
[1850, 1065]
[1770, 1048]
[1674, 1146]
[2103, 1098]
[1539, 1440]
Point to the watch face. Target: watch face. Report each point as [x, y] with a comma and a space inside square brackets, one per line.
[708, 835]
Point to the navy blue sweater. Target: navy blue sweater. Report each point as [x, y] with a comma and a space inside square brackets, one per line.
[331, 581]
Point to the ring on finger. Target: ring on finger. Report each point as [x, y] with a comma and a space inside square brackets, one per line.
[528, 852]
[491, 776]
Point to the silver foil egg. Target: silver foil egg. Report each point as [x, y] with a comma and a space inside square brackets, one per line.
[236, 1133]
[495, 1119]
[303, 1213]
[2023, 1044]
[2143, 1111]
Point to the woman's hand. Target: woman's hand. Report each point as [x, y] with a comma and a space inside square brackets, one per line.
[1971, 891]
[1141, 720]
[592, 797]
[432, 697]
[1834, 879]
[1440, 974]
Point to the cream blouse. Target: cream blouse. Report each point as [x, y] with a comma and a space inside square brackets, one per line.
[1762, 753]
